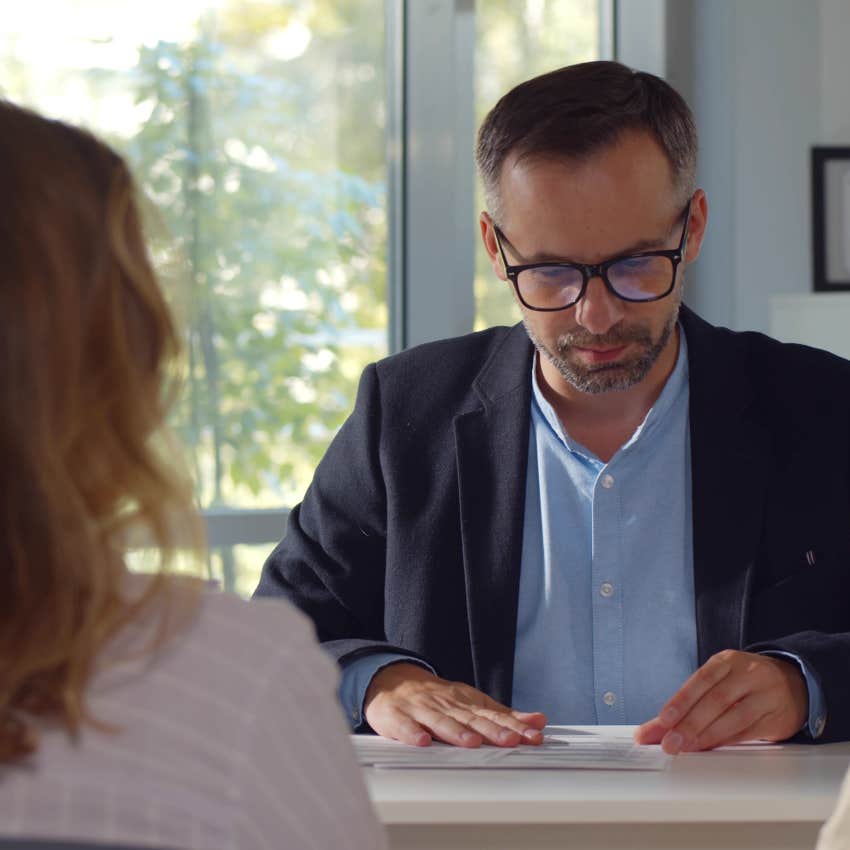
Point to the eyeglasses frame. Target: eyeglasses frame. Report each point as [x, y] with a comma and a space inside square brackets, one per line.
[589, 271]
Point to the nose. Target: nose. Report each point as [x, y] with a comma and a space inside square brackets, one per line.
[599, 310]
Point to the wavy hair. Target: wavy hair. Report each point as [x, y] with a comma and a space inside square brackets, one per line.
[87, 354]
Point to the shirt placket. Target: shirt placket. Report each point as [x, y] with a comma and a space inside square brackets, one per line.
[607, 598]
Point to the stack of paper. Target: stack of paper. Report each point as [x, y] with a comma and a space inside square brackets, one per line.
[558, 751]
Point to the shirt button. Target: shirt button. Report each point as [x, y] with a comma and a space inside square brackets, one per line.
[607, 481]
[606, 589]
[609, 698]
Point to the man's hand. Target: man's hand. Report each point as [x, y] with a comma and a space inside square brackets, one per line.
[735, 696]
[408, 703]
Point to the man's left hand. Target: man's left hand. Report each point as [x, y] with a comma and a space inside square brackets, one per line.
[735, 696]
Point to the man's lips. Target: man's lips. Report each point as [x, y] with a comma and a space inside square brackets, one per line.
[600, 355]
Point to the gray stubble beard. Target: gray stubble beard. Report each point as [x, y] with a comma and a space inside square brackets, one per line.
[607, 377]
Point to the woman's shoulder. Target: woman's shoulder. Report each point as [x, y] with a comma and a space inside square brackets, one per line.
[258, 633]
[224, 644]
[223, 659]
[266, 621]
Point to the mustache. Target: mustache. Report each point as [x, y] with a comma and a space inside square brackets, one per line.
[616, 336]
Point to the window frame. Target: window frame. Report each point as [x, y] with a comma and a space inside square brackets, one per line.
[431, 182]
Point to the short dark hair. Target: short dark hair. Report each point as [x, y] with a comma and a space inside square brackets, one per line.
[580, 110]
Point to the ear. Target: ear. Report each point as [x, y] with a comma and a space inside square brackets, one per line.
[696, 227]
[488, 237]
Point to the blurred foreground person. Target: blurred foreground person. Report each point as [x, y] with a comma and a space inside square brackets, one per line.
[835, 833]
[132, 708]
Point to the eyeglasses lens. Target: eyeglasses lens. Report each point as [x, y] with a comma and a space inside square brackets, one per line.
[550, 287]
[639, 278]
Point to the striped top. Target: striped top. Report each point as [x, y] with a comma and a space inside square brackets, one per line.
[230, 738]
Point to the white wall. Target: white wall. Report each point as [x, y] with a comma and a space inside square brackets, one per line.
[769, 78]
[835, 72]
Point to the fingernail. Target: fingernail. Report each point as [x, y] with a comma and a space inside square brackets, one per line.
[669, 715]
[468, 737]
[531, 734]
[673, 740]
[506, 735]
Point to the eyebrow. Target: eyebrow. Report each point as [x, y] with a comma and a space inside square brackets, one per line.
[543, 257]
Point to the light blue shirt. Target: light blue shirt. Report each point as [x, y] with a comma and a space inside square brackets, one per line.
[606, 626]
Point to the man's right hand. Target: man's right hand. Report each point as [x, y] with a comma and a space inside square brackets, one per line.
[408, 703]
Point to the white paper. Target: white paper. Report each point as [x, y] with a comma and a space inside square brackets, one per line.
[559, 751]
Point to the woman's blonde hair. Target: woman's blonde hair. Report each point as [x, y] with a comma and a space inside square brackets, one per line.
[87, 350]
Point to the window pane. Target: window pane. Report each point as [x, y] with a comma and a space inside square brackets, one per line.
[237, 568]
[257, 129]
[516, 40]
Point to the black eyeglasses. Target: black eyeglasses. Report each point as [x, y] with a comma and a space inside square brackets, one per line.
[646, 276]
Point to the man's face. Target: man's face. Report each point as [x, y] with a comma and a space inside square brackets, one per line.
[620, 201]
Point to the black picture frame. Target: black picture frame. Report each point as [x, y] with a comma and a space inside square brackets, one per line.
[831, 218]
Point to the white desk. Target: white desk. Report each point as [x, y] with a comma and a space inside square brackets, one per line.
[752, 796]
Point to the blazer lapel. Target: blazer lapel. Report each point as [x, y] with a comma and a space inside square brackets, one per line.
[492, 451]
[730, 452]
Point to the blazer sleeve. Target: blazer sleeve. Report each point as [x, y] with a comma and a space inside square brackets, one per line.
[331, 562]
[826, 654]
[824, 645]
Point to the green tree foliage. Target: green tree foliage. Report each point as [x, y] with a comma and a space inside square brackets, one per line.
[516, 40]
[261, 142]
[285, 246]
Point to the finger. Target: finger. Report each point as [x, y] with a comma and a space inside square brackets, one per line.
[716, 703]
[747, 719]
[650, 732]
[528, 724]
[397, 725]
[531, 735]
[509, 720]
[493, 731]
[749, 734]
[711, 674]
[534, 719]
[447, 728]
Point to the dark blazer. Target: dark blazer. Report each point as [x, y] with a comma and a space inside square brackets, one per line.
[410, 534]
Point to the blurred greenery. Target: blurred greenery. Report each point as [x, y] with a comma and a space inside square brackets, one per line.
[261, 141]
[516, 40]
[283, 227]
[260, 138]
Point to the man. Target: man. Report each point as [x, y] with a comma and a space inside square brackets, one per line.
[614, 514]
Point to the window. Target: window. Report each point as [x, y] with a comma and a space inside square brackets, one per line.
[515, 41]
[257, 129]
[260, 129]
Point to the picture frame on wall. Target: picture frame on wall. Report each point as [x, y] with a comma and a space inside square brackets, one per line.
[831, 218]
